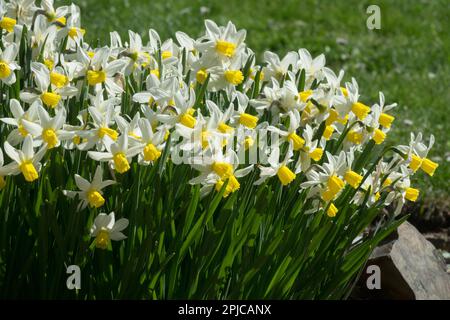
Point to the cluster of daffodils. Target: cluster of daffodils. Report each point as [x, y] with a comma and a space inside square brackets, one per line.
[130, 101]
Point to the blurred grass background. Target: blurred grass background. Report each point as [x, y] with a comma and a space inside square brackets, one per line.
[408, 59]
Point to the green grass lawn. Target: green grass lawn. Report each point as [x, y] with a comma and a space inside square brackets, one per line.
[408, 59]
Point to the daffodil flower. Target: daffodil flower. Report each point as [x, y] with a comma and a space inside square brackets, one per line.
[49, 130]
[117, 153]
[277, 68]
[224, 77]
[136, 53]
[103, 71]
[330, 95]
[7, 23]
[358, 109]
[251, 139]
[73, 131]
[17, 135]
[101, 131]
[43, 91]
[8, 64]
[312, 149]
[151, 143]
[241, 117]
[279, 99]
[334, 84]
[417, 153]
[103, 105]
[73, 27]
[221, 43]
[356, 137]
[52, 14]
[168, 50]
[91, 192]
[313, 67]
[26, 161]
[132, 127]
[328, 177]
[371, 185]
[289, 99]
[44, 33]
[269, 100]
[402, 190]
[23, 10]
[385, 119]
[216, 168]
[221, 119]
[161, 93]
[280, 169]
[201, 135]
[213, 128]
[291, 134]
[180, 111]
[205, 67]
[188, 44]
[106, 228]
[372, 126]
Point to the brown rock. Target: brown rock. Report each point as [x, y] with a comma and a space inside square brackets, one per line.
[411, 268]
